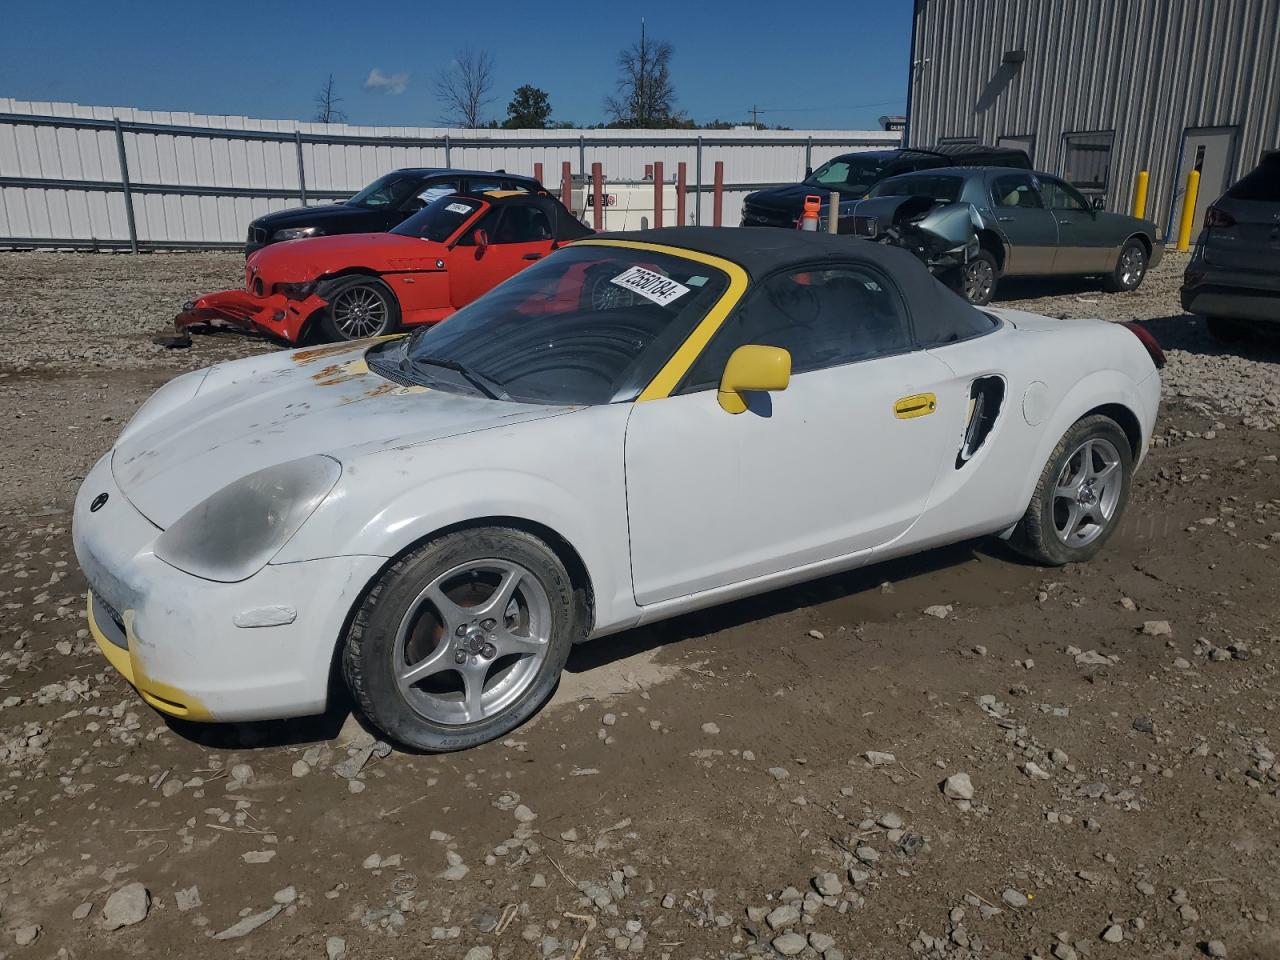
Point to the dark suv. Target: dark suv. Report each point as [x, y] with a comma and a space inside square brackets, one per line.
[853, 174]
[1233, 279]
[381, 205]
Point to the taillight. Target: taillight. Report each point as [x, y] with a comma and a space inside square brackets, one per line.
[1213, 217]
[1149, 341]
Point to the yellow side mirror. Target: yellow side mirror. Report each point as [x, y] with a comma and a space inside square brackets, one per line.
[753, 367]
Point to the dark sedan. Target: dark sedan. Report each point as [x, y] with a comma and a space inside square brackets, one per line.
[381, 205]
[983, 223]
[1233, 279]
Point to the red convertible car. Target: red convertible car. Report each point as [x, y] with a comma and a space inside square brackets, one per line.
[368, 284]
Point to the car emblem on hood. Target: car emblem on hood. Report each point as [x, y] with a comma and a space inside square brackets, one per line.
[99, 502]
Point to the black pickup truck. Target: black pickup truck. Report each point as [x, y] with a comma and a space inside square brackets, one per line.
[853, 174]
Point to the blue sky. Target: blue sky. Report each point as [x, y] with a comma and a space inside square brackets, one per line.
[268, 59]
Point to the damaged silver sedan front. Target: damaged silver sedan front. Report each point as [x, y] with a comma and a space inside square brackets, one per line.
[974, 226]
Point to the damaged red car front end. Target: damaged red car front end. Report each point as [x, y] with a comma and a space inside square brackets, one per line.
[274, 315]
[280, 310]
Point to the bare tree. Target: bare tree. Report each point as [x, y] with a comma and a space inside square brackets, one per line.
[465, 87]
[327, 101]
[645, 95]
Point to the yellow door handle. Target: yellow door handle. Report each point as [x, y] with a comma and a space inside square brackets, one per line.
[917, 405]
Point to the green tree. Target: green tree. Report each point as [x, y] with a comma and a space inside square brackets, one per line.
[529, 109]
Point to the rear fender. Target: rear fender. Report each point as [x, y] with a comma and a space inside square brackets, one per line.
[1100, 389]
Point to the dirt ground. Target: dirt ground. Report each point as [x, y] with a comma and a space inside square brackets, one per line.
[758, 779]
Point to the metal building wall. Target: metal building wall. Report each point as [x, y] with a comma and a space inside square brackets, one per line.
[198, 180]
[1145, 69]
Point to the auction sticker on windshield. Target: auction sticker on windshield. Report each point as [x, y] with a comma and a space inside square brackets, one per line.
[458, 208]
[652, 286]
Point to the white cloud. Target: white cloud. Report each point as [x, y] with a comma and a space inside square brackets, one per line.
[392, 84]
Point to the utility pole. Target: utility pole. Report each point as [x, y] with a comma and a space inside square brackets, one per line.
[755, 115]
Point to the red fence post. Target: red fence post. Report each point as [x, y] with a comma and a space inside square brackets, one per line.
[597, 196]
[657, 194]
[681, 185]
[566, 185]
[717, 203]
[537, 171]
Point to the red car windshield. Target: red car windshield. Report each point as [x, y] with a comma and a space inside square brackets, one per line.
[439, 220]
[587, 325]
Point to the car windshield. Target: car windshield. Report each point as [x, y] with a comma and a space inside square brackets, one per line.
[851, 174]
[438, 220]
[945, 189]
[389, 191]
[587, 325]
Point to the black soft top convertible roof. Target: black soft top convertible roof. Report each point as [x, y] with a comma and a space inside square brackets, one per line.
[760, 252]
[938, 315]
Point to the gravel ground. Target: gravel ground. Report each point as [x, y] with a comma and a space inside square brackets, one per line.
[959, 755]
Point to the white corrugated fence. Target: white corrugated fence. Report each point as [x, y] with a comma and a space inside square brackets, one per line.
[191, 180]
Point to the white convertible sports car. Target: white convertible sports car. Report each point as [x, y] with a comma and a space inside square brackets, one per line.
[637, 426]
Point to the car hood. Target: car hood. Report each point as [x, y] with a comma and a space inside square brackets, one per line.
[294, 261]
[790, 199]
[307, 216]
[251, 414]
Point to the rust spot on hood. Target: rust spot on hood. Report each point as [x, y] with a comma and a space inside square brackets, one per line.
[336, 373]
[336, 349]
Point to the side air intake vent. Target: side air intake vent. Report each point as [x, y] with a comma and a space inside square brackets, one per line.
[985, 397]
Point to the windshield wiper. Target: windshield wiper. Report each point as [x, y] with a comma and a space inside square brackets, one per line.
[485, 385]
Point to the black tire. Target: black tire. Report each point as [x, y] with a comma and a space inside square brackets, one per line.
[976, 280]
[347, 297]
[370, 650]
[1225, 330]
[1130, 269]
[1037, 534]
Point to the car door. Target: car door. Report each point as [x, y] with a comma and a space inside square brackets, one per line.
[1086, 243]
[1029, 228]
[836, 464]
[519, 233]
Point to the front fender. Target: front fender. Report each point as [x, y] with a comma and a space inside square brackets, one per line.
[561, 473]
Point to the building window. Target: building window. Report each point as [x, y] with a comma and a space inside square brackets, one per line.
[1087, 161]
[1023, 142]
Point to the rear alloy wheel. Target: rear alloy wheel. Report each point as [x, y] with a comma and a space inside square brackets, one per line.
[462, 640]
[1131, 268]
[1081, 494]
[360, 307]
[978, 279]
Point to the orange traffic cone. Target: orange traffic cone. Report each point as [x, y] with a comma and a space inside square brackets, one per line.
[809, 219]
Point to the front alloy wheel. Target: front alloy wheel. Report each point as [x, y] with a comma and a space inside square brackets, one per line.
[463, 639]
[472, 641]
[359, 308]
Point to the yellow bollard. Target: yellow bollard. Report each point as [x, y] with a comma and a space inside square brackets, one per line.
[1140, 195]
[1188, 211]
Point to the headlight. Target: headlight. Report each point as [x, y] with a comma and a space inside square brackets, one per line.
[297, 233]
[297, 291]
[234, 533]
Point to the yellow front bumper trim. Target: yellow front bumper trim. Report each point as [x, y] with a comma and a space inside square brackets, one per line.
[167, 699]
